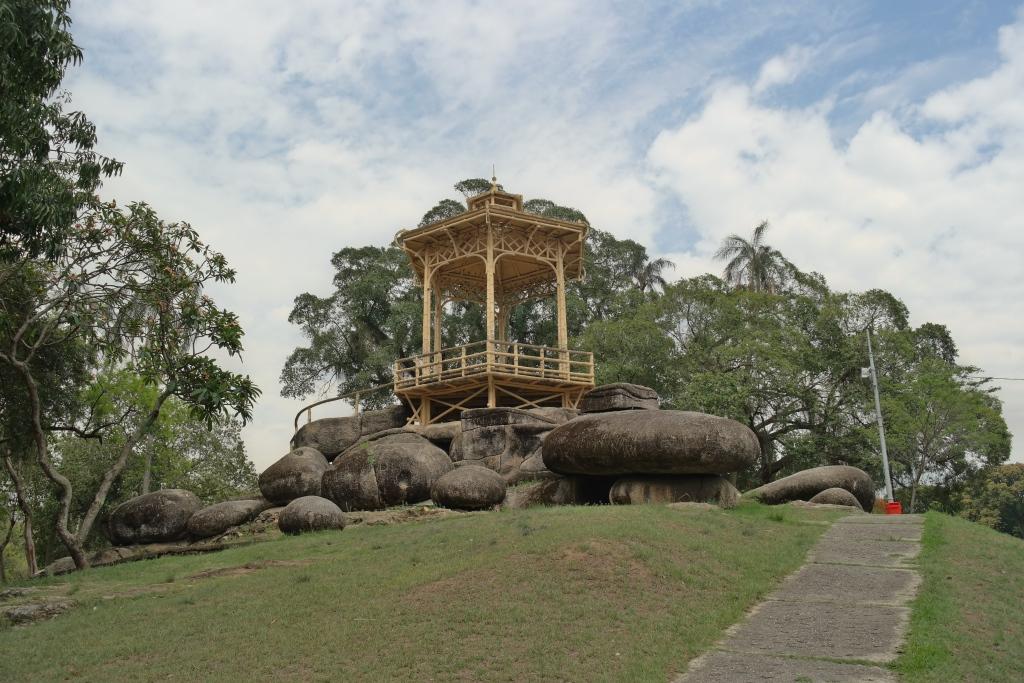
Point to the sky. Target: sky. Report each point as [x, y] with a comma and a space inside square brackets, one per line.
[883, 141]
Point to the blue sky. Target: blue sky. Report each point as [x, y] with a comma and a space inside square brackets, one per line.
[883, 141]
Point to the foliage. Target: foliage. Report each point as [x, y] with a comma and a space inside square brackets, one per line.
[48, 168]
[996, 499]
[752, 264]
[941, 426]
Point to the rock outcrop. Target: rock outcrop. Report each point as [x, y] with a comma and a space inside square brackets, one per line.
[559, 490]
[295, 475]
[809, 483]
[215, 519]
[836, 496]
[650, 442]
[391, 469]
[334, 435]
[619, 396]
[153, 517]
[310, 513]
[469, 488]
[501, 439]
[689, 488]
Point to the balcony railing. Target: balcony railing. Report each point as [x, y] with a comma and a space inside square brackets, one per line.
[525, 361]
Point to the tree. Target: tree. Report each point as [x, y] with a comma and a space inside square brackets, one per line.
[48, 168]
[125, 285]
[941, 426]
[752, 264]
[997, 499]
[648, 274]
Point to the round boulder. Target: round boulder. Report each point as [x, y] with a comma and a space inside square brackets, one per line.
[310, 513]
[809, 483]
[218, 518]
[470, 487]
[153, 517]
[687, 488]
[650, 442]
[391, 469]
[293, 476]
[836, 496]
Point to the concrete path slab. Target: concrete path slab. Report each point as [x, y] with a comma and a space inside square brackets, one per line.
[875, 532]
[842, 583]
[870, 553]
[850, 601]
[735, 667]
[827, 630]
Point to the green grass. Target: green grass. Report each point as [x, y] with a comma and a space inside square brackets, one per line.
[572, 593]
[967, 622]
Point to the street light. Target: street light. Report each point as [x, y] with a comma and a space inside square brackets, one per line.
[873, 373]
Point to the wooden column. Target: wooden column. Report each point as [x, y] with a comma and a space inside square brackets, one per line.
[563, 326]
[438, 304]
[427, 276]
[489, 316]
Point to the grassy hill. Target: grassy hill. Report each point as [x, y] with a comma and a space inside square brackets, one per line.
[584, 594]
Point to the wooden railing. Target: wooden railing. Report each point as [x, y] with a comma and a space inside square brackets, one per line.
[510, 358]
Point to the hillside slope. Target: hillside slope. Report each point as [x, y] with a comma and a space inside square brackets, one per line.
[571, 593]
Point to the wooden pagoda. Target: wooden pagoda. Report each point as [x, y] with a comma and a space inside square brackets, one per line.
[499, 256]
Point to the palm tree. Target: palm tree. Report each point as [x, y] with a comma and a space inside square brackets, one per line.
[753, 264]
[647, 274]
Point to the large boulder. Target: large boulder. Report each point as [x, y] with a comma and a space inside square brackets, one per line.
[390, 469]
[619, 396]
[441, 434]
[650, 442]
[469, 488]
[293, 476]
[686, 488]
[334, 435]
[809, 483]
[215, 519]
[153, 517]
[836, 496]
[501, 439]
[310, 513]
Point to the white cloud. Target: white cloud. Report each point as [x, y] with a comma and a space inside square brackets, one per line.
[936, 217]
[784, 68]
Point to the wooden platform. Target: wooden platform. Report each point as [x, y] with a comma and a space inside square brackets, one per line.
[492, 374]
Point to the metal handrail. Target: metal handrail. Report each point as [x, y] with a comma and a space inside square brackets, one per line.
[352, 395]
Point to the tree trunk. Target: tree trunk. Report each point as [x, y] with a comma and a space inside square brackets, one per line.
[26, 510]
[147, 471]
[115, 470]
[3, 546]
[62, 483]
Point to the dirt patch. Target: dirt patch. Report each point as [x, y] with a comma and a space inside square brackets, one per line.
[248, 568]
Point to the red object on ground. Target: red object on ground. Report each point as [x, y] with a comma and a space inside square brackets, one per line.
[893, 507]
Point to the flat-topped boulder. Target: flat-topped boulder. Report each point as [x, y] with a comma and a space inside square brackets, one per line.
[809, 483]
[215, 519]
[334, 435]
[619, 396]
[836, 496]
[391, 469]
[469, 488]
[686, 488]
[295, 475]
[310, 513]
[650, 442]
[501, 439]
[153, 517]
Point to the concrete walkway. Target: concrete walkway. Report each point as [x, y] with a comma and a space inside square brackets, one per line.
[835, 619]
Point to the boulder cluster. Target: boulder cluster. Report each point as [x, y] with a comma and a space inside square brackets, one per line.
[619, 448]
